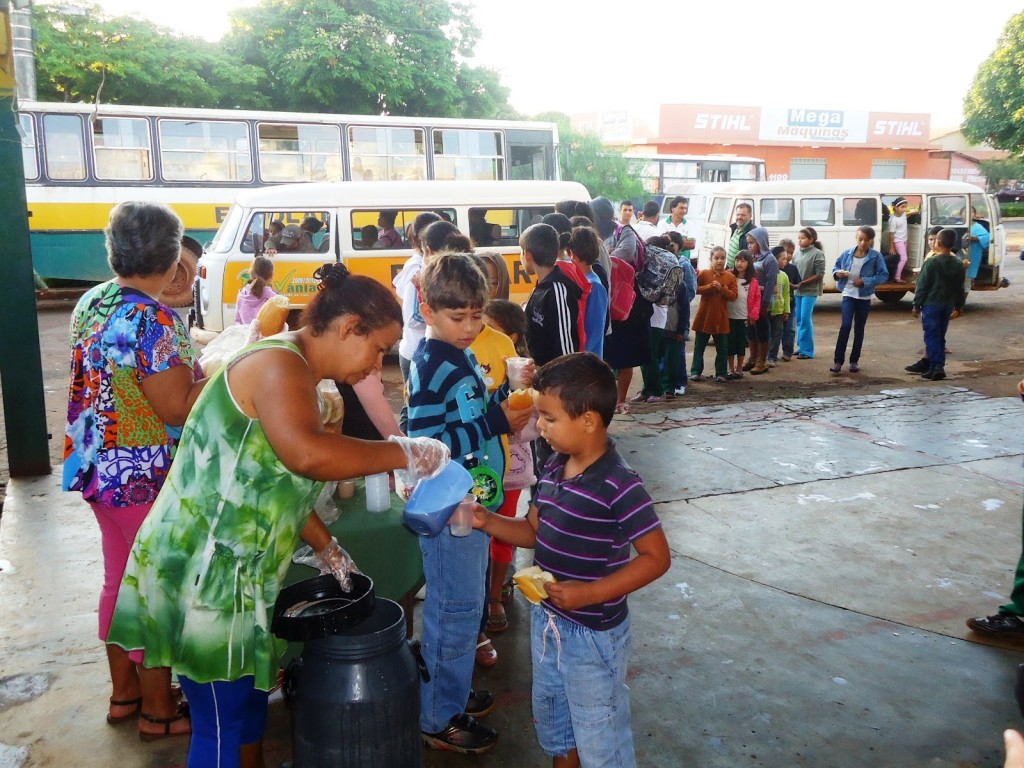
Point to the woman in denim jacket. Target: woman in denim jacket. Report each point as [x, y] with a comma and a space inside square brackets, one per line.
[857, 271]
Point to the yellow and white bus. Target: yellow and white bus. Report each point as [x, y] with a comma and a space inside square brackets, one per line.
[836, 208]
[500, 209]
[80, 160]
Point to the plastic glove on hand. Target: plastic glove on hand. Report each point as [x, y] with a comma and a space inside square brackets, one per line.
[334, 560]
[425, 458]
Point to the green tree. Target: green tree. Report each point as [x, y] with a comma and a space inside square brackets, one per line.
[1000, 173]
[994, 105]
[368, 57]
[83, 55]
[601, 170]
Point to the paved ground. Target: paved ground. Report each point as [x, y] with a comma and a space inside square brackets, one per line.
[825, 554]
[829, 536]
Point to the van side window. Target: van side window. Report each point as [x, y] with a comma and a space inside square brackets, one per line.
[490, 227]
[384, 228]
[817, 212]
[948, 210]
[307, 232]
[860, 211]
[720, 210]
[777, 212]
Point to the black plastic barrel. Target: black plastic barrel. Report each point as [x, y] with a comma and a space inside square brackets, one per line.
[355, 696]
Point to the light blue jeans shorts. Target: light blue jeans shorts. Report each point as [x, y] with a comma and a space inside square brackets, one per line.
[580, 698]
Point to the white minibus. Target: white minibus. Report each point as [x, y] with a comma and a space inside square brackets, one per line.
[836, 208]
[348, 216]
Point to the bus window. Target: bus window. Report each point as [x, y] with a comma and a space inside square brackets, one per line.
[65, 147]
[746, 172]
[860, 211]
[817, 212]
[370, 227]
[467, 155]
[382, 154]
[531, 154]
[679, 173]
[197, 150]
[28, 147]
[121, 149]
[299, 152]
[776, 212]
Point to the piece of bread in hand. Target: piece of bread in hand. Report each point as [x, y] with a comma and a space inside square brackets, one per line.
[531, 583]
[272, 316]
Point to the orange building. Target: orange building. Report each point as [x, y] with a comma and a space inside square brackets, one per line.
[797, 142]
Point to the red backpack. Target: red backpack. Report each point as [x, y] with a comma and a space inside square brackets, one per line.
[621, 289]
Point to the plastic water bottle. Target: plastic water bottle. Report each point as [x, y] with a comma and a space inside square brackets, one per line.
[378, 493]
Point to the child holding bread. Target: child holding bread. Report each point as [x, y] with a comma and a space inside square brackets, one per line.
[590, 508]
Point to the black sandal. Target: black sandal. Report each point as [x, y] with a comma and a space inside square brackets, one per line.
[166, 722]
[136, 705]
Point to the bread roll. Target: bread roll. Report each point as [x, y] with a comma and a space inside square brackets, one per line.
[531, 583]
[272, 316]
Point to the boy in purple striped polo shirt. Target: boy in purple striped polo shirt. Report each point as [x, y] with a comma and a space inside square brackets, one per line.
[590, 508]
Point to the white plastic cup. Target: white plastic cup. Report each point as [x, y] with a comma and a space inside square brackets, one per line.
[516, 366]
[378, 493]
[461, 521]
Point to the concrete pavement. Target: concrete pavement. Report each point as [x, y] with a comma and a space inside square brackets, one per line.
[826, 552]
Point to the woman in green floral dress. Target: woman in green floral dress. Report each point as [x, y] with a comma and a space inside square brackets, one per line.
[208, 562]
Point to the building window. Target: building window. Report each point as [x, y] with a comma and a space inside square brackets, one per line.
[888, 169]
[801, 168]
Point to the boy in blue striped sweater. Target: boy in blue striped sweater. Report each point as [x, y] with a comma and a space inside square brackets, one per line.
[448, 401]
[591, 509]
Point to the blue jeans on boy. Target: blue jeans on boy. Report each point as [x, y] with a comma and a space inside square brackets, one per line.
[454, 568]
[855, 315]
[788, 335]
[805, 324]
[580, 698]
[935, 323]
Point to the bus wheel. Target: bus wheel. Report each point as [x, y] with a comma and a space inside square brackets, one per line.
[890, 297]
[179, 292]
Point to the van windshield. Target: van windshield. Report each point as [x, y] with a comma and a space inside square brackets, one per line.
[225, 236]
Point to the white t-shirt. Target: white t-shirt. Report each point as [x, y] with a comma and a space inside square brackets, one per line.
[738, 306]
[851, 290]
[645, 229]
[683, 228]
[660, 317]
[898, 228]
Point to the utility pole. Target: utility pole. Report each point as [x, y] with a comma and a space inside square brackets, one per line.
[21, 371]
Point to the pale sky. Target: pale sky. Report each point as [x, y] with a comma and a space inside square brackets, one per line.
[575, 56]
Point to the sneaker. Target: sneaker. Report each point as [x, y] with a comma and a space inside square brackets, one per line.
[999, 624]
[464, 735]
[786, 358]
[772, 363]
[802, 356]
[935, 374]
[655, 399]
[721, 379]
[481, 702]
[680, 390]
[921, 366]
[696, 377]
[639, 397]
[837, 368]
[734, 375]
[854, 368]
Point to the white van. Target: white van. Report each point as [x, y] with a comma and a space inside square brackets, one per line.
[348, 216]
[836, 208]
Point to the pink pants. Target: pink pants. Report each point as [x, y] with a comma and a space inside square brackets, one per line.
[901, 249]
[501, 552]
[118, 526]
